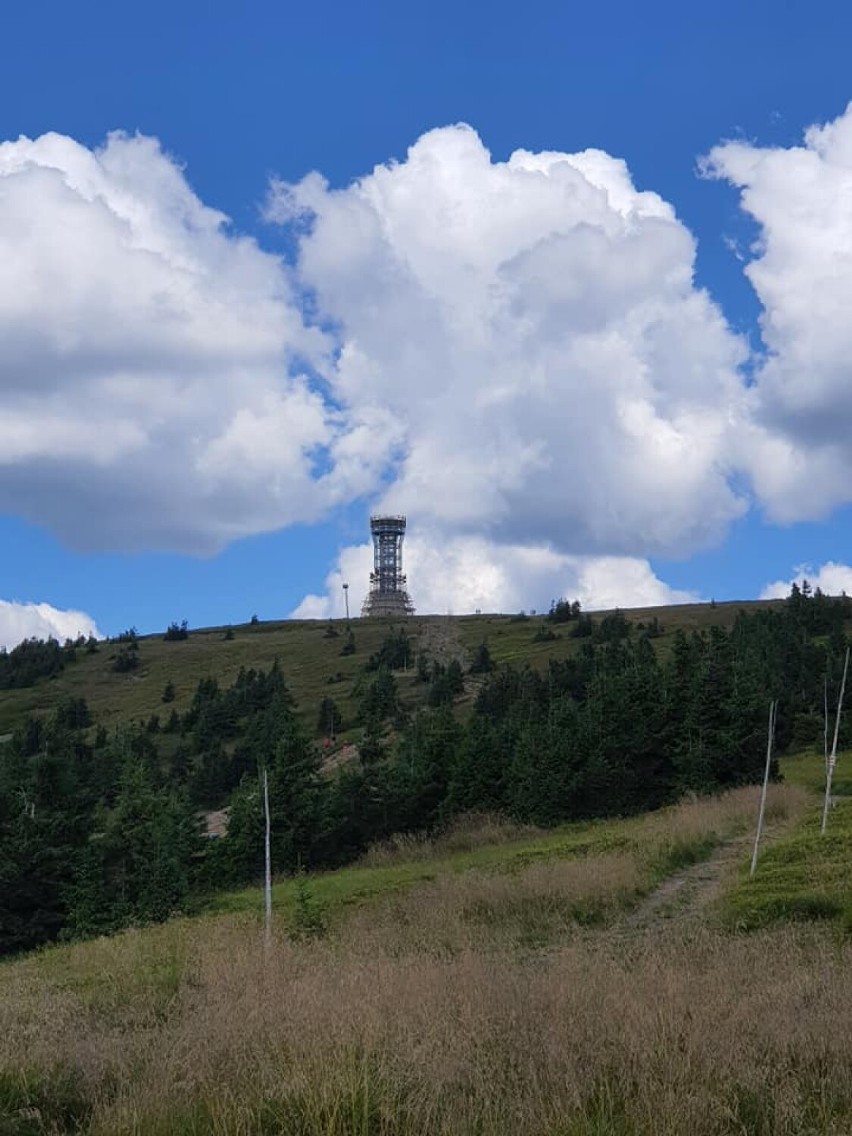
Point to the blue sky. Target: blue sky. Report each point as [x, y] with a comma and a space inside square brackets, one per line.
[266, 91]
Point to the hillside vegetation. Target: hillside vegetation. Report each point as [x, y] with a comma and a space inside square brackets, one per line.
[518, 905]
[309, 657]
[103, 810]
[492, 980]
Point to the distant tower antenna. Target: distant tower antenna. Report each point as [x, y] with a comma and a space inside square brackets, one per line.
[388, 595]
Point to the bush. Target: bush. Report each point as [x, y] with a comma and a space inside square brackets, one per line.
[394, 653]
[73, 714]
[172, 726]
[482, 661]
[329, 720]
[31, 660]
[126, 660]
[544, 635]
[309, 917]
[561, 611]
[176, 632]
[584, 628]
[613, 628]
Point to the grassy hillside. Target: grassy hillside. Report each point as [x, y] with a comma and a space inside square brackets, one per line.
[804, 875]
[312, 662]
[594, 979]
[492, 981]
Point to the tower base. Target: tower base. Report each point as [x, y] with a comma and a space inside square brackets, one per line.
[394, 604]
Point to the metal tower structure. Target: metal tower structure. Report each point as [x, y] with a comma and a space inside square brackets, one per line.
[387, 595]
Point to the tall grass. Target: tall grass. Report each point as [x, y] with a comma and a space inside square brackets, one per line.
[671, 838]
[708, 1035]
[464, 834]
[436, 1013]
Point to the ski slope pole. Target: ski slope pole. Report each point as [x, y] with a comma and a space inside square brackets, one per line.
[773, 705]
[268, 858]
[832, 757]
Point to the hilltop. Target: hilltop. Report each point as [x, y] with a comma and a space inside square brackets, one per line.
[311, 660]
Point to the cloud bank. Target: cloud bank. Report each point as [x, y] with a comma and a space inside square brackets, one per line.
[466, 574]
[800, 450]
[154, 379]
[19, 621]
[533, 329]
[831, 578]
[514, 353]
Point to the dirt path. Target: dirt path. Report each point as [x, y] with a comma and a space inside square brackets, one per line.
[439, 640]
[686, 898]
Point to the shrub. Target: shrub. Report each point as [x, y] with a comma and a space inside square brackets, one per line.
[309, 917]
[482, 661]
[544, 635]
[126, 660]
[563, 611]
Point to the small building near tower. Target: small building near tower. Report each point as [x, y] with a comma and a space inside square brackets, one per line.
[388, 595]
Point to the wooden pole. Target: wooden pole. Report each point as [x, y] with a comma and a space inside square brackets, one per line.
[773, 705]
[268, 858]
[832, 757]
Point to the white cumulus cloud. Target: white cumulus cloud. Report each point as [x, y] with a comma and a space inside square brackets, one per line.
[800, 448]
[831, 578]
[158, 382]
[512, 352]
[465, 573]
[19, 621]
[533, 330]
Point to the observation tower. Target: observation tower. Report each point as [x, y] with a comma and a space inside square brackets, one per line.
[387, 595]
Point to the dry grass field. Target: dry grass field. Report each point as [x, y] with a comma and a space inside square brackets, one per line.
[495, 981]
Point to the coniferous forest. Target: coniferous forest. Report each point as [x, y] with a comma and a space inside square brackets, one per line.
[100, 829]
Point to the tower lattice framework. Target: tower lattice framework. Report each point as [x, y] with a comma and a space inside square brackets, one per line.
[388, 593]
